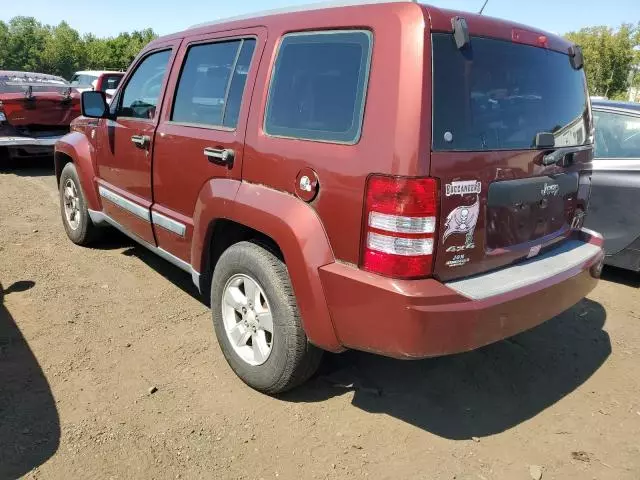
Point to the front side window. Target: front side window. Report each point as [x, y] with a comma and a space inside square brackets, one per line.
[318, 87]
[142, 92]
[497, 95]
[617, 135]
[212, 83]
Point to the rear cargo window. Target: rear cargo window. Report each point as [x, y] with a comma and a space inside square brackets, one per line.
[498, 95]
[318, 86]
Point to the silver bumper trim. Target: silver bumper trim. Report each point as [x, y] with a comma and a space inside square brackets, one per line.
[569, 255]
[29, 141]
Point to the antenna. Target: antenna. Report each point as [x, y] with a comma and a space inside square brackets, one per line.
[483, 5]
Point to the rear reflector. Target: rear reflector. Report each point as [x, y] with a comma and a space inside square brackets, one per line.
[401, 218]
[399, 224]
[399, 245]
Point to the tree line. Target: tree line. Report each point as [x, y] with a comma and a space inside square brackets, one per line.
[28, 45]
[612, 56]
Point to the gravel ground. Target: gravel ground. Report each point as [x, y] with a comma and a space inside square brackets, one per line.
[87, 334]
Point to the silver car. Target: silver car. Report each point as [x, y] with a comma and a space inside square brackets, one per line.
[614, 209]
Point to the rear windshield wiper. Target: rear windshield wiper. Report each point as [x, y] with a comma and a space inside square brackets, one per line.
[546, 141]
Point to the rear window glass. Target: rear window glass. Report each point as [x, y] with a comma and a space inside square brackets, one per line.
[498, 95]
[82, 80]
[318, 86]
[110, 82]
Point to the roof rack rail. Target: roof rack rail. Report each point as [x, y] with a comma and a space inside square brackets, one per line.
[299, 8]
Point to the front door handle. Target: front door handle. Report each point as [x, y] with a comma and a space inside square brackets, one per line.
[141, 141]
[219, 156]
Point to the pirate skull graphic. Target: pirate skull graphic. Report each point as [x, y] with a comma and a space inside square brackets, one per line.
[463, 220]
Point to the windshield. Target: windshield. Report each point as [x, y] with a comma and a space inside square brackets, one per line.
[497, 95]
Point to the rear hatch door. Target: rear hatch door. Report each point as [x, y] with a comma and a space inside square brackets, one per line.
[503, 197]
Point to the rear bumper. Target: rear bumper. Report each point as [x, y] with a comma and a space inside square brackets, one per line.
[424, 318]
[17, 141]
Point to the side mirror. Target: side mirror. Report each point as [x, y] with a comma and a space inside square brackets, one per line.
[94, 104]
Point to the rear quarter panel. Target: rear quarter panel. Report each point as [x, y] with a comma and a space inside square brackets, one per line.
[393, 139]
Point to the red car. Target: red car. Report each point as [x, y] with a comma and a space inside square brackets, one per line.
[36, 110]
[414, 185]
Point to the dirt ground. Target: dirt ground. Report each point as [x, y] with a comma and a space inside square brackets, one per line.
[86, 333]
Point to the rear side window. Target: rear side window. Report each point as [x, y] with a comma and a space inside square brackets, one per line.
[497, 95]
[319, 85]
[212, 83]
[617, 135]
[142, 92]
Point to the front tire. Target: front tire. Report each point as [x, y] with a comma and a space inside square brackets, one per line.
[257, 322]
[73, 207]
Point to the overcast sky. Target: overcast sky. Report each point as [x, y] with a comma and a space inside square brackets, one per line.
[167, 16]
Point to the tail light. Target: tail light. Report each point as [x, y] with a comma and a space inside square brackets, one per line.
[3, 117]
[400, 225]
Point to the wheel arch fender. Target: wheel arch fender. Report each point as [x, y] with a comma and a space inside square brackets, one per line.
[76, 148]
[295, 228]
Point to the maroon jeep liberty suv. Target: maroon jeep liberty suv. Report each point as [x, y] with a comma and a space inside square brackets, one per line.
[388, 177]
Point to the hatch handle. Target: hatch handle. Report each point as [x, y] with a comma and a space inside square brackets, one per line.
[566, 155]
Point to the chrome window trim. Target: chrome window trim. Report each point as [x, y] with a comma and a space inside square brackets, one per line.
[168, 224]
[124, 203]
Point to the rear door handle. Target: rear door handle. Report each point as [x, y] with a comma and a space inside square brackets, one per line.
[141, 141]
[219, 156]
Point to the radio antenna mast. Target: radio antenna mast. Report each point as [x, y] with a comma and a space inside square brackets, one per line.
[483, 5]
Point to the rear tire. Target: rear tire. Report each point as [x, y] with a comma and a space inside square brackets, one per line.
[73, 208]
[271, 362]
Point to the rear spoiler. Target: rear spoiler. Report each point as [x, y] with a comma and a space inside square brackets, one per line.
[29, 86]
